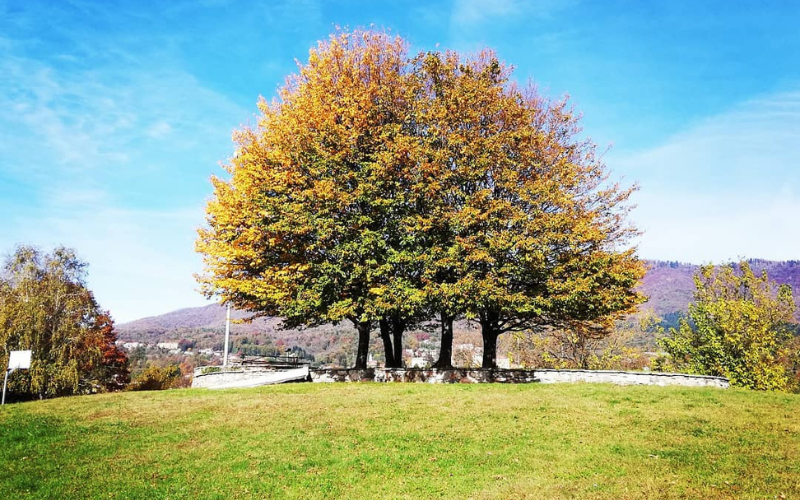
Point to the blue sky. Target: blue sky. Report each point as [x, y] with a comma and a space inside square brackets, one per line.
[115, 114]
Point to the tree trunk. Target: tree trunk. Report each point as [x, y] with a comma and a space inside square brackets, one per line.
[446, 351]
[363, 328]
[398, 328]
[386, 336]
[489, 320]
[489, 349]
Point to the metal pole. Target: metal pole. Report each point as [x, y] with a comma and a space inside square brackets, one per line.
[5, 379]
[227, 336]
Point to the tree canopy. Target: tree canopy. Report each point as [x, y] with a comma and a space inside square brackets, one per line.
[386, 189]
[46, 307]
[736, 328]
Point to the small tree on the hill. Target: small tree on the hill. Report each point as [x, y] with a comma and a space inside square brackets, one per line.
[599, 345]
[46, 307]
[736, 328]
[155, 378]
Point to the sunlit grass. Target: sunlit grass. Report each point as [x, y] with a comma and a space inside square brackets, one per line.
[405, 441]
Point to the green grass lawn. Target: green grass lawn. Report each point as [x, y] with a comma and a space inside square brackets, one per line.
[359, 441]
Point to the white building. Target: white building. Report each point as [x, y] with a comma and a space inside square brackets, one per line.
[419, 362]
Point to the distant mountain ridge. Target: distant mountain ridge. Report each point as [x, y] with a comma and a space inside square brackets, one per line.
[669, 285]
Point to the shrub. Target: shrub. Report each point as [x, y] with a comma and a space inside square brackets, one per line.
[154, 378]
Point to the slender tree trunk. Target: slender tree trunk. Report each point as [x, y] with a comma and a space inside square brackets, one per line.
[583, 354]
[446, 351]
[398, 328]
[386, 336]
[363, 328]
[489, 320]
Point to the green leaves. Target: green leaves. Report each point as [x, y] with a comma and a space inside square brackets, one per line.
[736, 328]
[46, 307]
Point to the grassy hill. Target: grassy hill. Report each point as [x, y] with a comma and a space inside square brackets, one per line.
[314, 441]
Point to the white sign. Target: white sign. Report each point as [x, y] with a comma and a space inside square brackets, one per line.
[19, 360]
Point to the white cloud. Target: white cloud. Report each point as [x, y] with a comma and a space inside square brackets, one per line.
[468, 14]
[159, 130]
[754, 144]
[81, 121]
[724, 188]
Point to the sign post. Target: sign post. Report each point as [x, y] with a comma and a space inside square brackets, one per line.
[17, 360]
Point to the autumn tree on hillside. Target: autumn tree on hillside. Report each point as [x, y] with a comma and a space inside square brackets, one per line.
[113, 370]
[46, 307]
[308, 227]
[737, 328]
[384, 190]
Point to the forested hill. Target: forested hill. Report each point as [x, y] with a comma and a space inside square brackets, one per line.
[668, 284]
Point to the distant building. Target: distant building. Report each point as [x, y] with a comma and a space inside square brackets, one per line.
[371, 363]
[167, 345]
[420, 362]
[132, 345]
[503, 362]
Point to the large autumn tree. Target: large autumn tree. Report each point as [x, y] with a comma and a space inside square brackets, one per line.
[522, 227]
[46, 307]
[308, 226]
[384, 189]
[737, 328]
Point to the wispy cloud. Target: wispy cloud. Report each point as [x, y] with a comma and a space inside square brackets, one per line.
[754, 144]
[159, 130]
[108, 149]
[724, 188]
[534, 26]
[467, 14]
[472, 12]
[81, 121]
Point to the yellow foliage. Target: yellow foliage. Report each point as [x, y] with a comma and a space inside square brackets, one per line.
[379, 184]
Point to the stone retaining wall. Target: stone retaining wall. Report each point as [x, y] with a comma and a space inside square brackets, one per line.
[213, 379]
[232, 378]
[471, 376]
